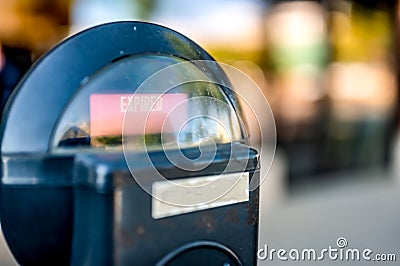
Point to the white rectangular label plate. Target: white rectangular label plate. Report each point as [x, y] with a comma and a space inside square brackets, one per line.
[191, 191]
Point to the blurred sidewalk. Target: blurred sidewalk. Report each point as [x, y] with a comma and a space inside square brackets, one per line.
[362, 207]
[6, 258]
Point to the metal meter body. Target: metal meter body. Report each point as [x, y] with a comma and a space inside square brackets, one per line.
[84, 146]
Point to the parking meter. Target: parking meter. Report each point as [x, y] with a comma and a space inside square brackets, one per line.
[120, 147]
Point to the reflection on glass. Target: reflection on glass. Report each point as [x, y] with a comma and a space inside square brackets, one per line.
[116, 105]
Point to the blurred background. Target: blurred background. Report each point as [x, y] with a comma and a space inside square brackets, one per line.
[330, 72]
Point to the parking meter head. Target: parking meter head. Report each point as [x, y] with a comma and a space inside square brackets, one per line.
[112, 90]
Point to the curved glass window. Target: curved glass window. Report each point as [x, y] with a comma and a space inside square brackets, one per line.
[149, 101]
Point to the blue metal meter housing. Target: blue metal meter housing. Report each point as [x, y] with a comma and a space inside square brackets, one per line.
[53, 214]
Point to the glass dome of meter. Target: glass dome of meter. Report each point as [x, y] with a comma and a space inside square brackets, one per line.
[150, 102]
